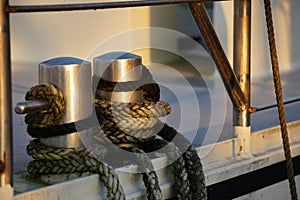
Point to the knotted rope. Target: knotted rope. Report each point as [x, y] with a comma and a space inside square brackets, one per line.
[131, 126]
[50, 160]
[55, 110]
[185, 172]
[67, 160]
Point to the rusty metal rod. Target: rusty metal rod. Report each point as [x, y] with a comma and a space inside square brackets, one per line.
[216, 51]
[94, 6]
[5, 99]
[241, 56]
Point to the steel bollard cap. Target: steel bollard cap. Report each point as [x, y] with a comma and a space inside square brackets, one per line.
[118, 67]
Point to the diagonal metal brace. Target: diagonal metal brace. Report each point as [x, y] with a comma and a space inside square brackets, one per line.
[216, 51]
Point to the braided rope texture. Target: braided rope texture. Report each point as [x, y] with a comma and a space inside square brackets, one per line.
[50, 160]
[181, 181]
[146, 109]
[55, 111]
[279, 99]
[150, 178]
[113, 116]
[133, 122]
[133, 127]
[193, 164]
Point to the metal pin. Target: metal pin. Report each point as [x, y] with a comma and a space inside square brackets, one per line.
[31, 106]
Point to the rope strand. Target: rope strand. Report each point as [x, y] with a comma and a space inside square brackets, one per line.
[279, 99]
[130, 126]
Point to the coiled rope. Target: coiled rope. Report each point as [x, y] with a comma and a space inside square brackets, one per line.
[50, 160]
[193, 163]
[279, 99]
[55, 111]
[185, 174]
[66, 160]
[131, 126]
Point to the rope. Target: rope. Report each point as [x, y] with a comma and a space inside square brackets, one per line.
[56, 105]
[140, 158]
[50, 160]
[193, 162]
[139, 111]
[117, 136]
[193, 166]
[187, 169]
[145, 109]
[133, 123]
[279, 99]
[149, 176]
[131, 126]
[182, 185]
[61, 129]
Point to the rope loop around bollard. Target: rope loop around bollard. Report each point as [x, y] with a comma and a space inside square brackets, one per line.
[139, 137]
[56, 108]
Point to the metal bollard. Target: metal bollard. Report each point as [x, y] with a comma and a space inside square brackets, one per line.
[119, 67]
[74, 77]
